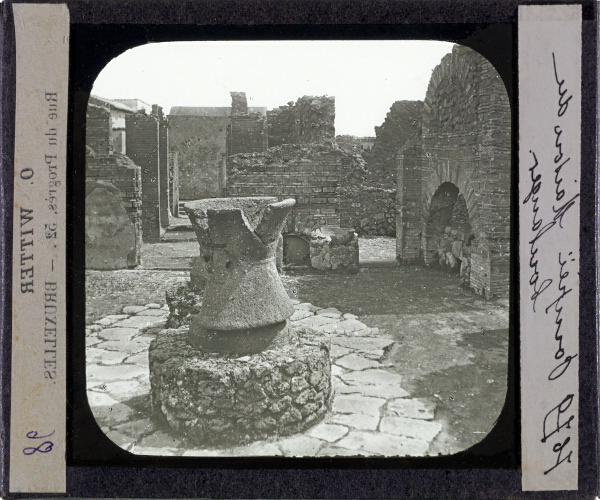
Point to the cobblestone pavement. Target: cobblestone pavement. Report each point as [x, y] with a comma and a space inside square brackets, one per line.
[371, 415]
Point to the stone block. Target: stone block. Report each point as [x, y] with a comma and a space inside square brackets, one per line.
[110, 237]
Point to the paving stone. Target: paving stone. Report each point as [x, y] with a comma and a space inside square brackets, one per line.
[94, 355]
[112, 414]
[356, 362]
[107, 374]
[336, 371]
[106, 321]
[149, 450]
[159, 439]
[141, 322]
[373, 383]
[94, 327]
[356, 420]
[328, 432]
[97, 398]
[300, 314]
[300, 446]
[140, 359]
[126, 346]
[336, 451]
[258, 449]
[165, 307]
[121, 440]
[349, 326]
[349, 316]
[153, 312]
[91, 340]
[375, 355]
[353, 403]
[122, 391]
[116, 317]
[410, 427]
[294, 301]
[384, 444]
[118, 333]
[308, 306]
[136, 428]
[329, 310]
[133, 309]
[316, 322]
[362, 344]
[337, 351]
[411, 408]
[154, 306]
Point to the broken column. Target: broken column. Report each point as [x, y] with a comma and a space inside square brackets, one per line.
[240, 371]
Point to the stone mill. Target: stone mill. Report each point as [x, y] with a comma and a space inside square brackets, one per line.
[240, 371]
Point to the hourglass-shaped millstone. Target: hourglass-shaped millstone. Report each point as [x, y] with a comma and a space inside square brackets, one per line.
[244, 305]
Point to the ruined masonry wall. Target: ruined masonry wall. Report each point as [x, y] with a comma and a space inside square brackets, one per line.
[309, 173]
[201, 146]
[369, 210]
[248, 134]
[308, 120]
[103, 165]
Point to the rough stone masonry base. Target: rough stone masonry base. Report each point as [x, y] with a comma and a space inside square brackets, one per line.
[218, 400]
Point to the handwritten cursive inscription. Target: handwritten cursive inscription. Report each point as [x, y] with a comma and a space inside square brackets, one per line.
[44, 447]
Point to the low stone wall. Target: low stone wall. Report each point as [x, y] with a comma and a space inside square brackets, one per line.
[337, 253]
[371, 211]
[219, 400]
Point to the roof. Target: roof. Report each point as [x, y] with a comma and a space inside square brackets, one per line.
[210, 111]
[136, 104]
[112, 103]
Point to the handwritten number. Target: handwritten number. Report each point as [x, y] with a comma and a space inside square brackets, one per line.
[44, 447]
[34, 435]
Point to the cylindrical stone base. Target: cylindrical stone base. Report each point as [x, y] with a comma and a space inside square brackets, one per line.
[226, 401]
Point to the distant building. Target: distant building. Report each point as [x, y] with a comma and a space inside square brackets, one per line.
[203, 137]
[118, 111]
[366, 143]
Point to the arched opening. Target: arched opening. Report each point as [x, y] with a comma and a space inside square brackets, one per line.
[296, 250]
[448, 232]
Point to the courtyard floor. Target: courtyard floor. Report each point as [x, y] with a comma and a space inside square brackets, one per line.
[419, 363]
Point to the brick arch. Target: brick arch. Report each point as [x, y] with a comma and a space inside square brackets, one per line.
[466, 140]
[456, 176]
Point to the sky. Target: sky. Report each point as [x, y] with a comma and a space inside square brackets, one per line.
[366, 77]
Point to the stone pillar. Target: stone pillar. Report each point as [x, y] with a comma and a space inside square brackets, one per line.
[408, 205]
[174, 183]
[163, 166]
[143, 148]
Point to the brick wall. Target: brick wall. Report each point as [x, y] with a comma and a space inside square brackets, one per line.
[201, 144]
[465, 141]
[247, 134]
[401, 124]
[408, 202]
[98, 130]
[313, 174]
[142, 134]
